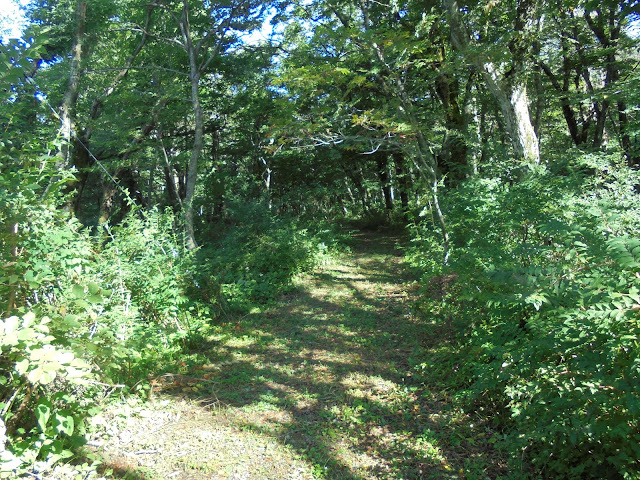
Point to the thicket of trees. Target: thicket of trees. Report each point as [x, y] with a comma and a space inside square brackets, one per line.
[160, 165]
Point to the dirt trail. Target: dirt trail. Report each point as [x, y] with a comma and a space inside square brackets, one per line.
[318, 386]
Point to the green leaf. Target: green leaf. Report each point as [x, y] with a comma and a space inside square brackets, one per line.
[41, 375]
[82, 304]
[10, 325]
[9, 340]
[26, 334]
[71, 321]
[29, 276]
[43, 413]
[94, 299]
[78, 291]
[22, 366]
[63, 423]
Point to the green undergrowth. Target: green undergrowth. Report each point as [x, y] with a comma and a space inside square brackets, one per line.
[542, 295]
[86, 315]
[256, 254]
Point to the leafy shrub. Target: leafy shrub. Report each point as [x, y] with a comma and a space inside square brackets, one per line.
[97, 304]
[549, 272]
[257, 258]
[31, 363]
[145, 260]
[45, 360]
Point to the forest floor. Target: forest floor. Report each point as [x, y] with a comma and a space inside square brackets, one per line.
[321, 384]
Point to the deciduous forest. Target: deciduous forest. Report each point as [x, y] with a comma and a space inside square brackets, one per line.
[330, 239]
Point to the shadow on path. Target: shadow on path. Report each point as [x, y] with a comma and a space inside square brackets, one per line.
[327, 374]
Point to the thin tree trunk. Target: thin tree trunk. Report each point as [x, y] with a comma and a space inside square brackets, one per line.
[403, 183]
[196, 150]
[71, 93]
[577, 124]
[109, 190]
[539, 103]
[98, 102]
[172, 191]
[195, 72]
[81, 158]
[606, 26]
[424, 159]
[427, 161]
[383, 175]
[632, 155]
[111, 184]
[67, 108]
[356, 178]
[476, 118]
[81, 161]
[453, 154]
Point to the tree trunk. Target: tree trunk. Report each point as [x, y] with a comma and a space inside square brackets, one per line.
[383, 174]
[607, 25]
[423, 158]
[511, 96]
[125, 176]
[109, 190]
[195, 72]
[169, 179]
[632, 154]
[403, 183]
[356, 178]
[577, 123]
[539, 103]
[172, 191]
[67, 108]
[81, 158]
[196, 150]
[71, 94]
[453, 154]
[514, 105]
[81, 161]
[425, 161]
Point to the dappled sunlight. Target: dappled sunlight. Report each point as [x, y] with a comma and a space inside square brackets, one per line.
[331, 369]
[326, 374]
[368, 384]
[239, 342]
[193, 443]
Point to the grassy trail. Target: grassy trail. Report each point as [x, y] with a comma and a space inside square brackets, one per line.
[319, 385]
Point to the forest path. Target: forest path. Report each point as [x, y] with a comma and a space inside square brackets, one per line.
[319, 385]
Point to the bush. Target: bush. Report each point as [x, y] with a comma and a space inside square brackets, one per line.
[35, 371]
[257, 258]
[86, 306]
[549, 271]
[145, 260]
